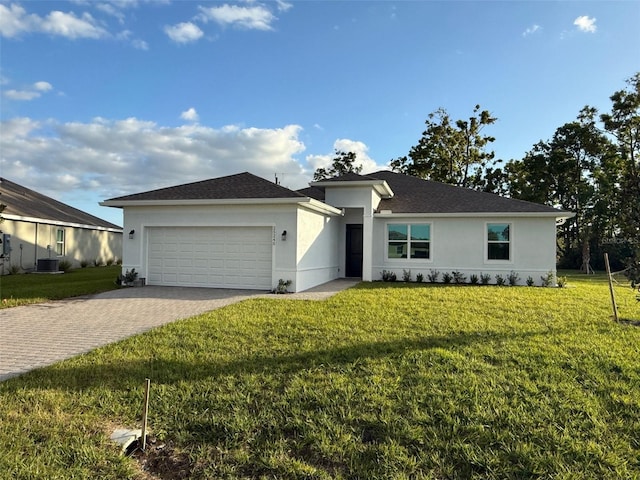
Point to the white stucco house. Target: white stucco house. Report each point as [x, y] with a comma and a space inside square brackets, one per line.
[242, 231]
[36, 227]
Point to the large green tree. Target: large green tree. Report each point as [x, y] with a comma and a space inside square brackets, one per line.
[449, 151]
[623, 123]
[572, 170]
[343, 162]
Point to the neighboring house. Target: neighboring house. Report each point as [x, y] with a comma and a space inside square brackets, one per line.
[37, 227]
[243, 231]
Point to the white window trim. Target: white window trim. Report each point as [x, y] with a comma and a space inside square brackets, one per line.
[487, 261]
[63, 243]
[411, 261]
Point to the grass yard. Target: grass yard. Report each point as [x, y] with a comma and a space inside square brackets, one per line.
[36, 288]
[383, 381]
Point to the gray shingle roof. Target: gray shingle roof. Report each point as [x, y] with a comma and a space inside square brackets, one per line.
[411, 194]
[24, 202]
[415, 195]
[239, 186]
[316, 193]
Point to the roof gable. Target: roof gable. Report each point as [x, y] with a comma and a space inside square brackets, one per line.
[240, 186]
[24, 202]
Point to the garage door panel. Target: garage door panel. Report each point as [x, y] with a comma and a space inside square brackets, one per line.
[263, 265]
[263, 249]
[169, 278]
[170, 263]
[216, 248]
[230, 257]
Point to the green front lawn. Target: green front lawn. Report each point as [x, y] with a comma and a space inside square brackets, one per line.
[382, 381]
[36, 288]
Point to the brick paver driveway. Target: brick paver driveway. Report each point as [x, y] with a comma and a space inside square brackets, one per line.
[34, 336]
[37, 335]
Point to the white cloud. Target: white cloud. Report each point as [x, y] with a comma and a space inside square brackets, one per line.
[14, 21]
[184, 32]
[190, 115]
[257, 17]
[42, 86]
[17, 128]
[283, 6]
[70, 26]
[34, 91]
[125, 36]
[110, 9]
[361, 150]
[140, 44]
[585, 24]
[21, 94]
[116, 157]
[531, 30]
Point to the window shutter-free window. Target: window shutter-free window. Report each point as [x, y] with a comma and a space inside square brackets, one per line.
[498, 241]
[60, 242]
[420, 237]
[410, 241]
[398, 240]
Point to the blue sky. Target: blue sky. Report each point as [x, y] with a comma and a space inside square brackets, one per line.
[100, 99]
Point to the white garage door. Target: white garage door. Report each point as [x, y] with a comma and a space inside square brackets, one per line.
[224, 257]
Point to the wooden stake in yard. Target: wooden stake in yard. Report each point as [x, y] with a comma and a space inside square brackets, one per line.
[145, 411]
[613, 297]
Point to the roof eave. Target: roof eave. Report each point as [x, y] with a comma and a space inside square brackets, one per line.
[558, 214]
[46, 221]
[307, 202]
[321, 207]
[203, 201]
[380, 186]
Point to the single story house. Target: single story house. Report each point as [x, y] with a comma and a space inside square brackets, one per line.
[37, 227]
[242, 231]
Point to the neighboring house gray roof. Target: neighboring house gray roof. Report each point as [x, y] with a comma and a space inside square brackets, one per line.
[23, 202]
[240, 186]
[415, 195]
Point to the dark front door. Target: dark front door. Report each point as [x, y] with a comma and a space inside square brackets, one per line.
[353, 267]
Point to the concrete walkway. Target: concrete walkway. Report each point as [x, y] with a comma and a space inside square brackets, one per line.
[34, 336]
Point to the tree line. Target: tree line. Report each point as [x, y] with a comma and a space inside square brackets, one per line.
[590, 166]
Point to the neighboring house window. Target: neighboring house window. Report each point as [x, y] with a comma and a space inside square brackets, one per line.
[498, 241]
[60, 242]
[412, 240]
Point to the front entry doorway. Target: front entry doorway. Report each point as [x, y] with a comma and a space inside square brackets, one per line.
[353, 257]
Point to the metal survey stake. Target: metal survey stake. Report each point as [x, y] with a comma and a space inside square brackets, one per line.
[144, 413]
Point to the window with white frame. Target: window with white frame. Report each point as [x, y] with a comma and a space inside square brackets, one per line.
[409, 240]
[60, 242]
[498, 241]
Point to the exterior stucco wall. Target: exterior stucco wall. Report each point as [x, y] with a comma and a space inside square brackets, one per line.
[317, 249]
[459, 244]
[277, 217]
[29, 242]
[363, 200]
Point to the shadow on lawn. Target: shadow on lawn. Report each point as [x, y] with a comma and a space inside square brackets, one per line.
[629, 321]
[131, 374]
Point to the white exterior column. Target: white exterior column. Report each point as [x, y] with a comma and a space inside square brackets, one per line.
[367, 244]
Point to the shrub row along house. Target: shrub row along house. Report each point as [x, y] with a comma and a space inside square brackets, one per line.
[242, 231]
[36, 227]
